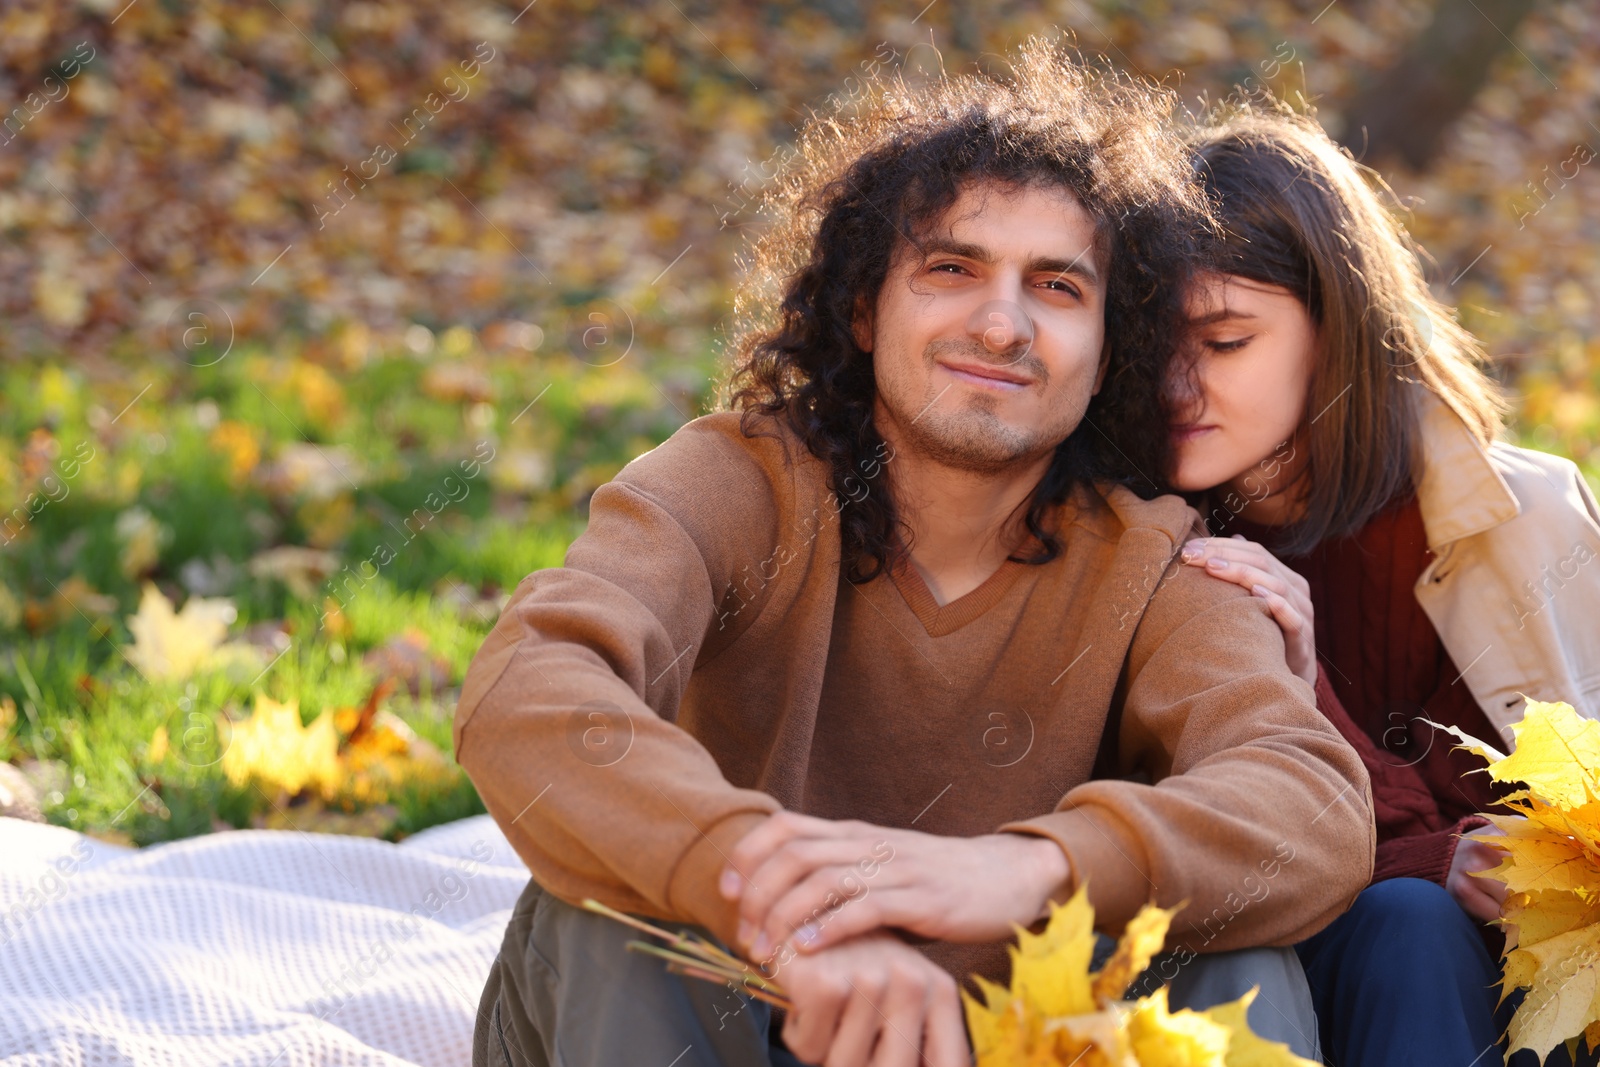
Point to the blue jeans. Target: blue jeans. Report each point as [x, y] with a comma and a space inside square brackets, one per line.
[1403, 978]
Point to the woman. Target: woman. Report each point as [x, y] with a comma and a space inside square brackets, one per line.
[1336, 431]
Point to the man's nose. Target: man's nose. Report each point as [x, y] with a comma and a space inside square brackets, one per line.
[1002, 326]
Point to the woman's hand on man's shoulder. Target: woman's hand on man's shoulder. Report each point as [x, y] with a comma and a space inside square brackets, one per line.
[1287, 594]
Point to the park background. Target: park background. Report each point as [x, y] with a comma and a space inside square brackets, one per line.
[320, 322]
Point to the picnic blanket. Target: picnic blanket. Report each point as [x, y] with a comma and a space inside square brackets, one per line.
[257, 947]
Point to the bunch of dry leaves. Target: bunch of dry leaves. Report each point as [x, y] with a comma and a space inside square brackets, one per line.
[1552, 874]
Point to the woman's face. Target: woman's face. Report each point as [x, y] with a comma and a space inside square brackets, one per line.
[1235, 424]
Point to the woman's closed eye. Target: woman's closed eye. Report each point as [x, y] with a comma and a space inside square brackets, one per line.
[1232, 345]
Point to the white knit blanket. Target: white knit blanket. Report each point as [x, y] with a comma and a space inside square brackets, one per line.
[258, 947]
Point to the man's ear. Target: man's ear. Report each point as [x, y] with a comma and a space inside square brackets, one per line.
[861, 325]
[1105, 364]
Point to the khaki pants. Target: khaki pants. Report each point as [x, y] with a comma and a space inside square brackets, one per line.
[564, 992]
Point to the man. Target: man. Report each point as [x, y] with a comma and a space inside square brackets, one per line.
[829, 677]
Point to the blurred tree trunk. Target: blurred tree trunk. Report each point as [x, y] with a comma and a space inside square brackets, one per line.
[1407, 108]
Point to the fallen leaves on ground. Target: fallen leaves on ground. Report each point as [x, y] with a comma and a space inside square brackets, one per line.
[1552, 874]
[309, 470]
[317, 817]
[478, 606]
[302, 570]
[407, 659]
[74, 598]
[347, 756]
[273, 750]
[172, 645]
[1059, 1013]
[141, 538]
[381, 753]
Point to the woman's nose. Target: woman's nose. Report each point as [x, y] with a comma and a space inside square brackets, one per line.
[1185, 391]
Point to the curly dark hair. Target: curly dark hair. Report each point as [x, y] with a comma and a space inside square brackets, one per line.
[861, 182]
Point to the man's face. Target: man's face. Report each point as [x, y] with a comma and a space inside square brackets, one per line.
[987, 350]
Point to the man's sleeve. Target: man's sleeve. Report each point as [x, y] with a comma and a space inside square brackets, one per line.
[1260, 815]
[566, 718]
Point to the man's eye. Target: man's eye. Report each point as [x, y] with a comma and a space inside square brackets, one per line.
[1062, 286]
[951, 268]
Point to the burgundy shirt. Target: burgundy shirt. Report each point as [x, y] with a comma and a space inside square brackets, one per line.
[1381, 671]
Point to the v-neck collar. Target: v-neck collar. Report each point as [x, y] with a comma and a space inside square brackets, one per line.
[940, 620]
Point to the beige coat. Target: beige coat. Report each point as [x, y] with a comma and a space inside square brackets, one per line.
[1514, 589]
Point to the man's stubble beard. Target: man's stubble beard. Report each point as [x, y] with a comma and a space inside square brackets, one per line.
[972, 437]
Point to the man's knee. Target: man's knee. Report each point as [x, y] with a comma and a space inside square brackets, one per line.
[565, 989]
[506, 1033]
[1282, 1009]
[491, 1044]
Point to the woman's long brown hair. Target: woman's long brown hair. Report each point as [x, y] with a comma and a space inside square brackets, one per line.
[1298, 212]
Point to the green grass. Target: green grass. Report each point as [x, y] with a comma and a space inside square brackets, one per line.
[84, 720]
[145, 435]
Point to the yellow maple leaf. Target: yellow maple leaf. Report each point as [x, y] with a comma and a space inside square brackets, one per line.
[387, 756]
[173, 645]
[347, 757]
[1557, 755]
[273, 750]
[1581, 823]
[1537, 858]
[379, 753]
[1057, 1013]
[1184, 1039]
[1551, 870]
[1545, 914]
[321, 396]
[1141, 940]
[1245, 1047]
[1050, 970]
[1562, 994]
[236, 442]
[1099, 1039]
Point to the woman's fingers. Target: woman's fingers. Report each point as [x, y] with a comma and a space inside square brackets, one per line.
[1494, 889]
[1484, 857]
[1240, 550]
[1292, 622]
[1246, 575]
[1297, 636]
[1479, 896]
[1252, 567]
[1245, 563]
[1478, 904]
[1286, 593]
